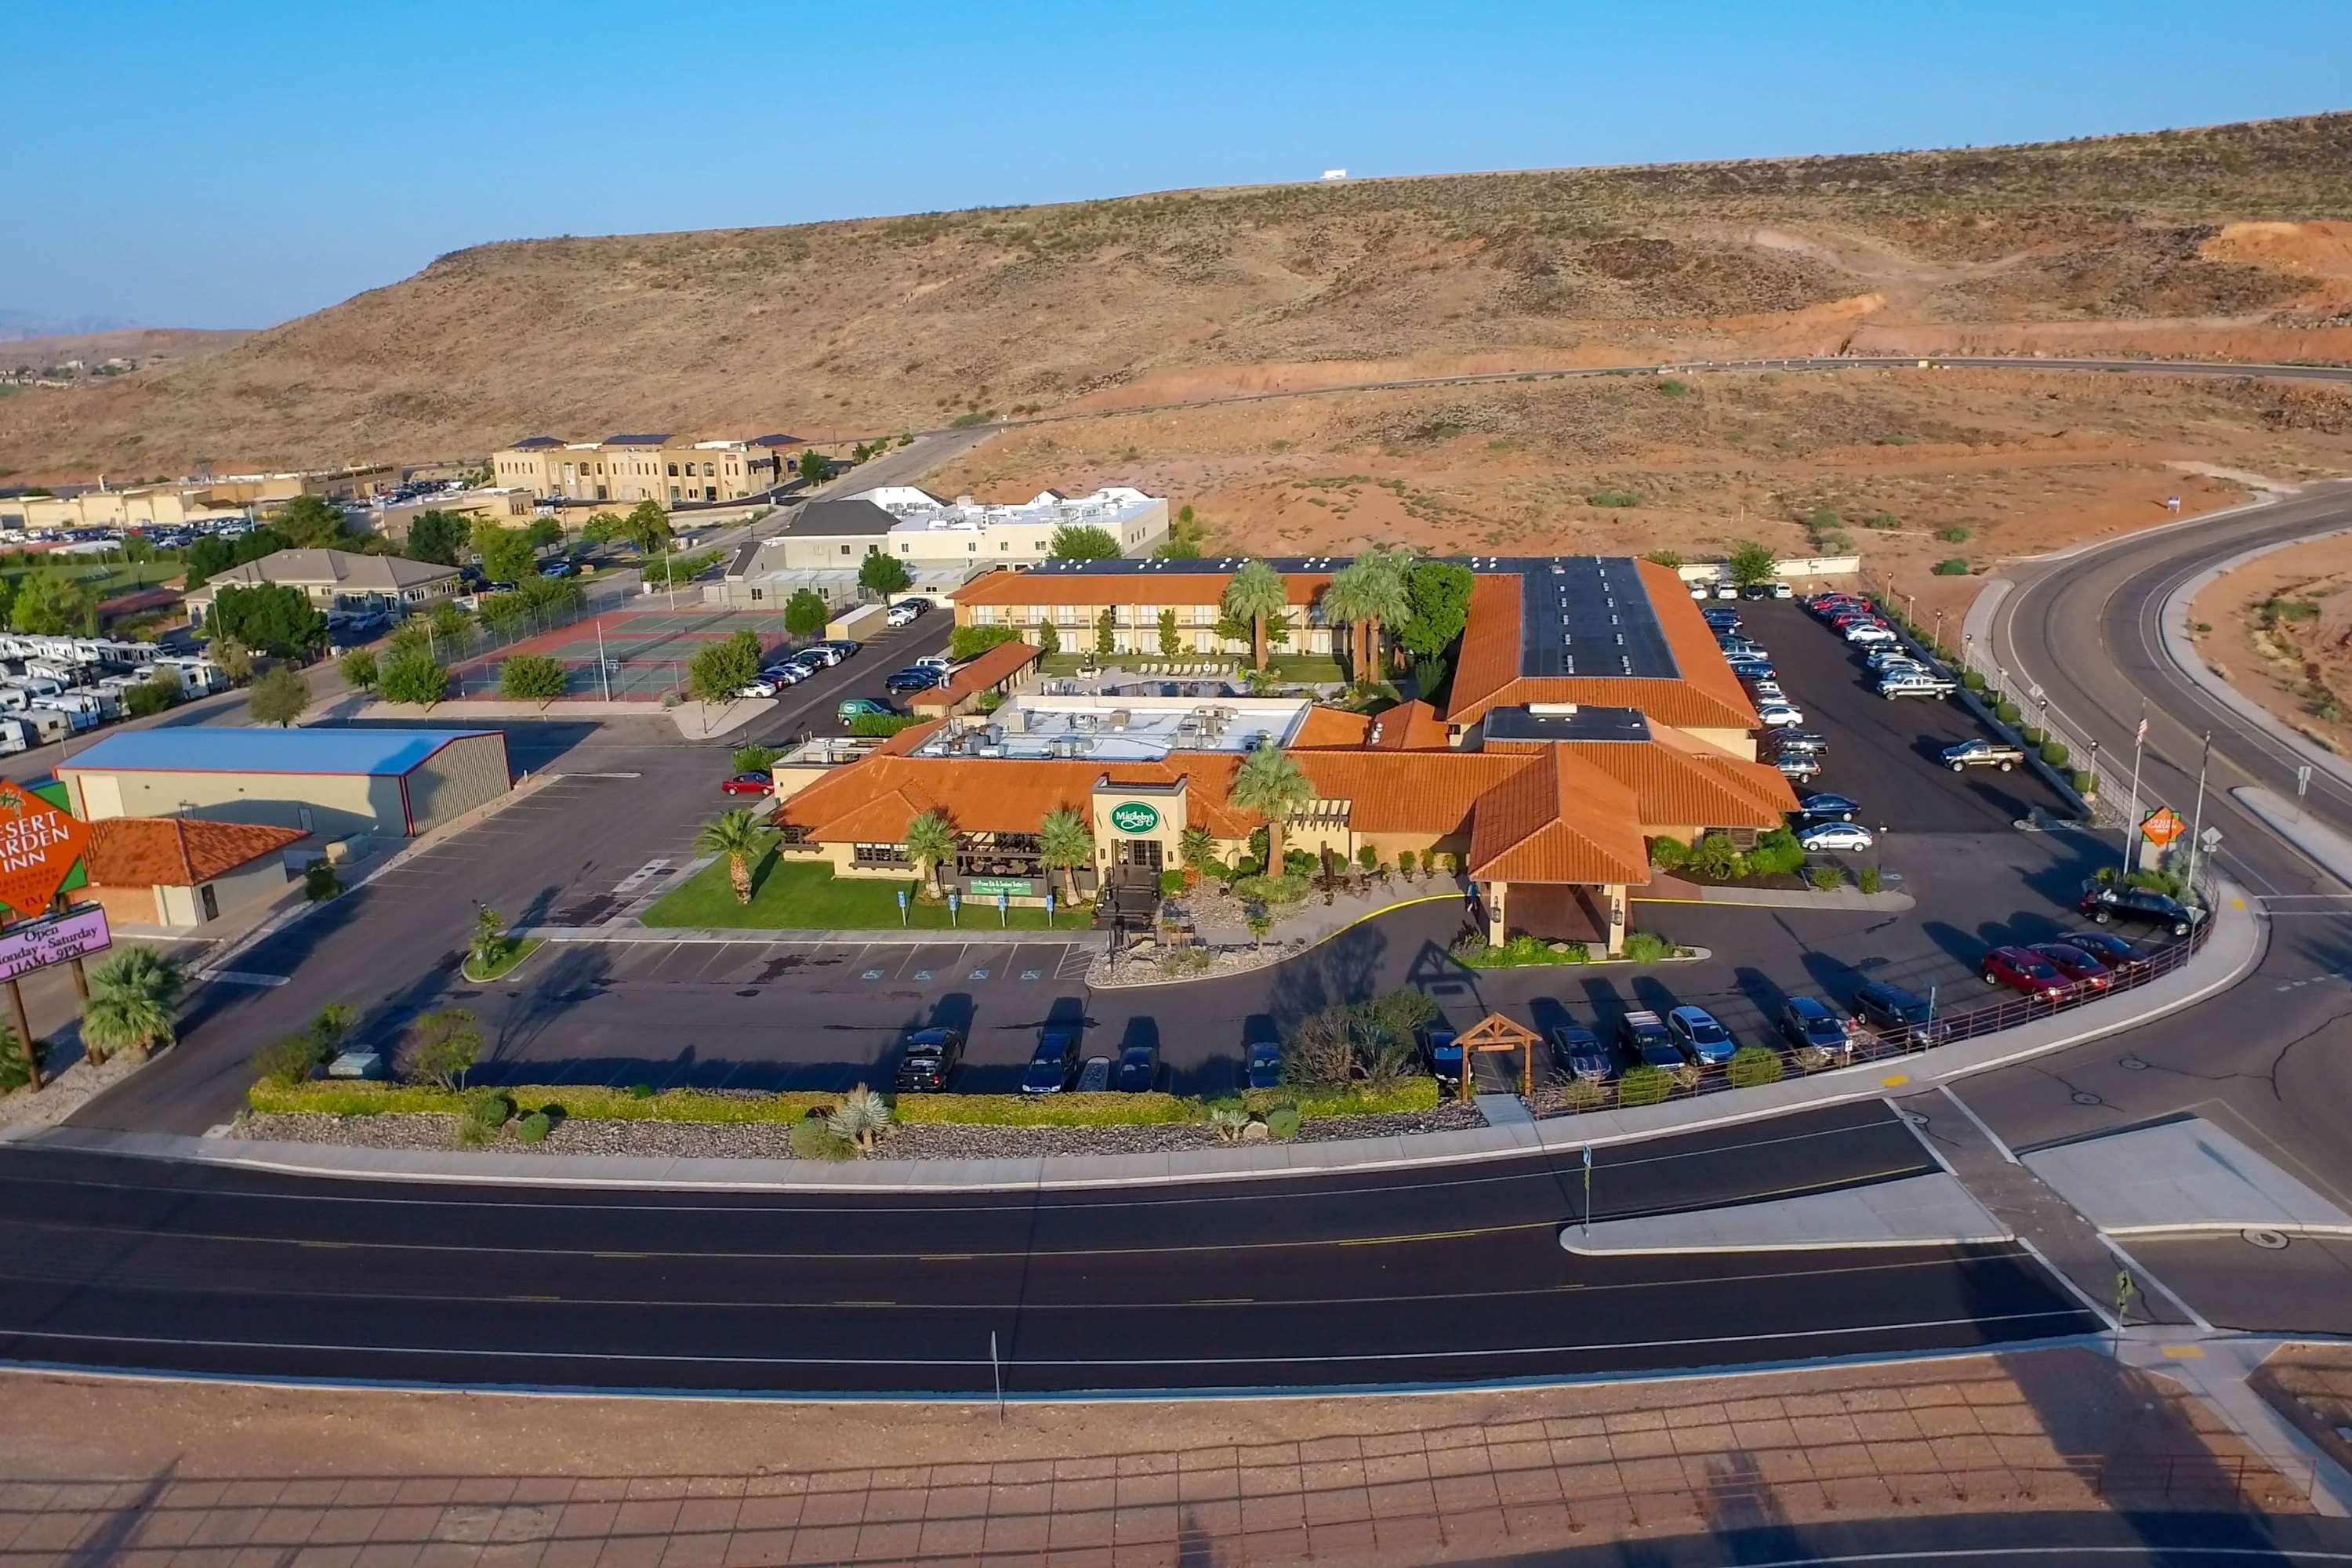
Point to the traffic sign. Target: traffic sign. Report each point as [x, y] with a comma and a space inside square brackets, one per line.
[2209, 840]
[2162, 825]
[2302, 781]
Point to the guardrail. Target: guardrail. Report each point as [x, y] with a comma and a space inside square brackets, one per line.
[1864, 1043]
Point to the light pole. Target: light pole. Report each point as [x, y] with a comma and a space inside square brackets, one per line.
[2131, 812]
[2197, 824]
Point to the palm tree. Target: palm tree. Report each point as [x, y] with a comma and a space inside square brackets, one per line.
[1348, 602]
[1271, 783]
[1388, 597]
[1065, 843]
[1196, 848]
[931, 841]
[1255, 595]
[132, 998]
[738, 835]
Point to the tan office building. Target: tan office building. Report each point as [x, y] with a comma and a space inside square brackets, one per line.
[186, 501]
[338, 580]
[626, 469]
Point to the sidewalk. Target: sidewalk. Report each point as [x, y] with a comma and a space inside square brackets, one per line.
[1912, 1211]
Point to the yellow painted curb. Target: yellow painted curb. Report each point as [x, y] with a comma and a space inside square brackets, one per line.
[2184, 1353]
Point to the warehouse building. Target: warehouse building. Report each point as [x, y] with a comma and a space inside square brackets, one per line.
[333, 783]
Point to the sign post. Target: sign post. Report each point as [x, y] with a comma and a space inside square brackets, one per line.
[1003, 909]
[902, 906]
[1587, 1192]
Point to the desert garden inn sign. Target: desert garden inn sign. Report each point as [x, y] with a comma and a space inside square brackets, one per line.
[38, 846]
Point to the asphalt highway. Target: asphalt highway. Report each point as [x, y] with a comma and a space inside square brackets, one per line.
[2271, 1058]
[1445, 1276]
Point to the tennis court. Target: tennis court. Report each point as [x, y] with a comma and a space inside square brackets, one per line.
[633, 655]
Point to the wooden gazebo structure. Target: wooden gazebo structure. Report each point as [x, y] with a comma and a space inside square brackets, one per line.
[1495, 1033]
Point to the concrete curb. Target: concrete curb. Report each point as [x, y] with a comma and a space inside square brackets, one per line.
[2228, 956]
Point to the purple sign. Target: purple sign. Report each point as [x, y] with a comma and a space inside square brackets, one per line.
[55, 939]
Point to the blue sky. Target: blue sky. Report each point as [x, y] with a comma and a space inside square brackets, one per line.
[239, 162]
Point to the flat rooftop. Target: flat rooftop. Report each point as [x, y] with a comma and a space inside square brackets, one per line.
[318, 749]
[1565, 721]
[1111, 729]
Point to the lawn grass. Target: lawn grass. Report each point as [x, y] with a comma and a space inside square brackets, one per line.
[801, 895]
[516, 951]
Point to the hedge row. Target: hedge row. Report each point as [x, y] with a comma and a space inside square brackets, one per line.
[1046, 1109]
[1401, 1098]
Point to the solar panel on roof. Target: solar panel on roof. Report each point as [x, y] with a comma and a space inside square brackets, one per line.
[1588, 616]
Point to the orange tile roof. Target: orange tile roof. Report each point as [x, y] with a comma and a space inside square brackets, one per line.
[1681, 782]
[1408, 791]
[1558, 820]
[1175, 585]
[1410, 727]
[1333, 727]
[176, 851]
[999, 664]
[1704, 695]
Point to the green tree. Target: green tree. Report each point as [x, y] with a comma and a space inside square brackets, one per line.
[1271, 783]
[971, 642]
[1106, 633]
[738, 835]
[506, 552]
[1172, 641]
[414, 678]
[542, 533]
[435, 536]
[602, 528]
[487, 942]
[646, 526]
[281, 696]
[1255, 595]
[721, 670]
[805, 612]
[753, 759]
[160, 690]
[1083, 542]
[310, 522]
[359, 668]
[1049, 641]
[1065, 843]
[930, 845]
[278, 620]
[882, 574]
[1439, 595]
[1184, 538]
[1751, 562]
[133, 998]
[813, 467]
[532, 678]
[447, 618]
[443, 1047]
[52, 602]
[234, 659]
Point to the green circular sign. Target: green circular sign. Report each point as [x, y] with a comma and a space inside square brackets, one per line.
[1134, 817]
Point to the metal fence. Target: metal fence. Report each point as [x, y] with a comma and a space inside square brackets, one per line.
[1870, 1045]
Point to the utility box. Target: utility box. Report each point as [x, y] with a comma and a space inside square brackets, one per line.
[857, 625]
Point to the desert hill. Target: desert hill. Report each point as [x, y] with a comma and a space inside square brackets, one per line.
[2230, 241]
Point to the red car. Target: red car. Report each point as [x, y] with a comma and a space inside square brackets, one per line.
[2024, 971]
[2076, 964]
[749, 783]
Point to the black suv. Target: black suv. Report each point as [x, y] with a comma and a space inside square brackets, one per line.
[1053, 1062]
[2104, 904]
[1898, 1012]
[929, 1060]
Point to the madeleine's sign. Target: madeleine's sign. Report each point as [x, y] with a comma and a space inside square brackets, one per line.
[53, 940]
[39, 846]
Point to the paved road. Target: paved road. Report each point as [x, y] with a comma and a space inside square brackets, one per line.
[1746, 1536]
[1445, 1276]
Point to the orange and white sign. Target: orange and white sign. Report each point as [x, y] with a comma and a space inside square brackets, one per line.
[2162, 826]
[39, 845]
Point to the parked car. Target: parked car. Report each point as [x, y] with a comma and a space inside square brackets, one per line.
[845, 646]
[1702, 1039]
[1735, 644]
[1052, 1063]
[1095, 1076]
[823, 653]
[2079, 967]
[1827, 807]
[928, 1058]
[1915, 683]
[2024, 971]
[785, 674]
[1773, 590]
[1899, 1014]
[1867, 632]
[1766, 691]
[2104, 904]
[1727, 589]
[1844, 838]
[1720, 616]
[1753, 669]
[749, 783]
[1440, 1053]
[1798, 766]
[1806, 1021]
[1981, 754]
[1780, 715]
[1806, 741]
[1262, 1064]
[912, 679]
[1139, 1069]
[763, 687]
[851, 707]
[901, 615]
[1576, 1053]
[2120, 956]
[1641, 1034]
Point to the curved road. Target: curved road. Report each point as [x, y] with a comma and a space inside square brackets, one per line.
[2271, 1058]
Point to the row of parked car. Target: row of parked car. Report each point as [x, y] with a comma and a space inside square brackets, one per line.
[1894, 671]
[1797, 753]
[800, 665]
[927, 1059]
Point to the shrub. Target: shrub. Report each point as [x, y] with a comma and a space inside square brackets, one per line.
[1172, 882]
[1669, 854]
[882, 724]
[813, 1140]
[492, 1110]
[1406, 861]
[534, 1128]
[1468, 945]
[1647, 947]
[1826, 879]
[1868, 879]
[1953, 566]
[1282, 1123]
[1673, 388]
[753, 759]
[1151, 1110]
[1613, 497]
[1752, 1066]
[1777, 853]
[2086, 783]
[290, 1060]
[2008, 712]
[1972, 680]
[1954, 535]
[971, 642]
[1885, 519]
[320, 881]
[1643, 1085]
[15, 1070]
[1714, 855]
[1583, 1094]
[1521, 950]
[1401, 1097]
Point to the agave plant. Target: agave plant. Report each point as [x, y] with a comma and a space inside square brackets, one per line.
[860, 1118]
[1228, 1120]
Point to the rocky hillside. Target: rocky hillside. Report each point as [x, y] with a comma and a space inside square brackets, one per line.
[2234, 241]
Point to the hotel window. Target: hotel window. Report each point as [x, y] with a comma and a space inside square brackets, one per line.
[983, 615]
[709, 471]
[673, 470]
[844, 550]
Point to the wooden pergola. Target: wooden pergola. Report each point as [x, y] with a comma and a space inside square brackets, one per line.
[1495, 1033]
